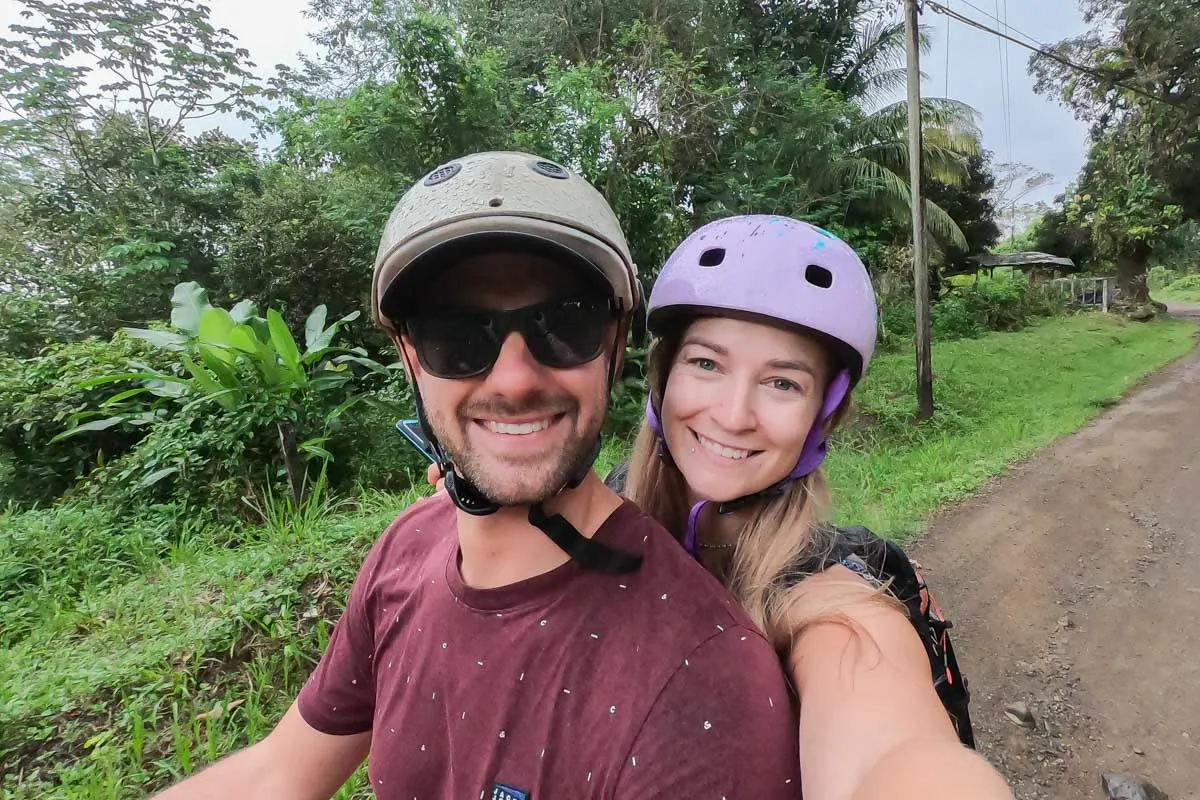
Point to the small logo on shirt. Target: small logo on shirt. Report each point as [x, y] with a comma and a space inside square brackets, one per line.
[502, 792]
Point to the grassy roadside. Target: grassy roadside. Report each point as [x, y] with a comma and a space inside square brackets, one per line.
[120, 685]
[999, 399]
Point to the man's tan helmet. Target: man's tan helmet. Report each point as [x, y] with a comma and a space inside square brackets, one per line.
[501, 195]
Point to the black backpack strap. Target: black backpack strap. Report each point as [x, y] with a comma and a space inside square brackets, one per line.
[886, 562]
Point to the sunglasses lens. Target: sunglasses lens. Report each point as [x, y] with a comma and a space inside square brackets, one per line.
[455, 345]
[560, 334]
[566, 333]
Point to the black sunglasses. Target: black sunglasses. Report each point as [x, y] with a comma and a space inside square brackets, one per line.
[560, 334]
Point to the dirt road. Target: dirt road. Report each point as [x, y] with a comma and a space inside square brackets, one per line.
[1075, 584]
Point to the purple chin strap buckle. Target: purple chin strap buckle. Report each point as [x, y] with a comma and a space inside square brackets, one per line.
[816, 447]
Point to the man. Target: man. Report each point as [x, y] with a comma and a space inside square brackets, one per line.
[525, 633]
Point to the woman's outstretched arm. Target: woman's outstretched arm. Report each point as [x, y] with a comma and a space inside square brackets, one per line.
[871, 723]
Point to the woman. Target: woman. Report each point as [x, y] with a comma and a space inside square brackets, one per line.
[763, 327]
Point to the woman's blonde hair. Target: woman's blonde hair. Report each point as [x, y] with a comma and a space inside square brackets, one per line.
[784, 537]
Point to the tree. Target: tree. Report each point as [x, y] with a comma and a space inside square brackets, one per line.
[1141, 91]
[713, 108]
[161, 61]
[1013, 183]
[970, 206]
[1124, 209]
[110, 202]
[1056, 233]
[110, 240]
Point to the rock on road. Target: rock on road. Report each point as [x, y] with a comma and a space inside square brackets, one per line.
[1074, 582]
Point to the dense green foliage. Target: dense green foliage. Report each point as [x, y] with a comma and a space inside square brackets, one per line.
[678, 117]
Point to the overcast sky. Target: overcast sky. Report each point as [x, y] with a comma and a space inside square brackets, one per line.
[1043, 134]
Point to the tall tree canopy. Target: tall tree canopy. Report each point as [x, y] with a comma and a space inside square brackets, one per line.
[1141, 92]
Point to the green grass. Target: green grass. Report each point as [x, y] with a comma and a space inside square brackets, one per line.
[999, 399]
[133, 652]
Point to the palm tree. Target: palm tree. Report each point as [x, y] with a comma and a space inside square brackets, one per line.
[876, 157]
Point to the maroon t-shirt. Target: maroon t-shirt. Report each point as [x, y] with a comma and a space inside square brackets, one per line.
[568, 685]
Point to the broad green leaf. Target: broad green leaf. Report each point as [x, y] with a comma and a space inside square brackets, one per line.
[311, 450]
[94, 425]
[343, 407]
[156, 476]
[164, 388]
[120, 397]
[314, 327]
[188, 303]
[268, 363]
[370, 364]
[329, 380]
[215, 329]
[242, 338]
[226, 398]
[285, 345]
[225, 374]
[157, 338]
[326, 337]
[125, 376]
[208, 384]
[244, 311]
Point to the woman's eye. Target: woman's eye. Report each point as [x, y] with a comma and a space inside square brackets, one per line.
[706, 364]
[785, 385]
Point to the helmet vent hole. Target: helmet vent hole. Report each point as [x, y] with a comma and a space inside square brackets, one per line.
[550, 170]
[712, 257]
[442, 174]
[818, 276]
[496, 202]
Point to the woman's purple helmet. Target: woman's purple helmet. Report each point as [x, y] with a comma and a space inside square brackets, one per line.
[781, 270]
[778, 268]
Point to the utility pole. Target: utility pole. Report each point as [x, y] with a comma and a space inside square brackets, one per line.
[920, 254]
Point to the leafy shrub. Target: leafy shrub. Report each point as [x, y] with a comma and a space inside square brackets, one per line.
[28, 324]
[238, 401]
[627, 405]
[367, 450]
[1188, 283]
[967, 311]
[953, 318]
[1160, 277]
[205, 459]
[39, 396]
[998, 305]
[897, 322]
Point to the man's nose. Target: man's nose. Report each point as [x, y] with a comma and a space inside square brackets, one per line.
[516, 372]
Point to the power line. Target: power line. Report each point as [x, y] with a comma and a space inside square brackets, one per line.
[1043, 50]
[1003, 22]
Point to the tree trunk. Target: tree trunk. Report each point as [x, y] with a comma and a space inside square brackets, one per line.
[291, 461]
[1132, 290]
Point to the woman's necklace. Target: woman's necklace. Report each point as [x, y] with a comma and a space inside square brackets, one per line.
[728, 546]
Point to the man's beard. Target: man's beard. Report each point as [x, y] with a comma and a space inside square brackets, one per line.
[509, 481]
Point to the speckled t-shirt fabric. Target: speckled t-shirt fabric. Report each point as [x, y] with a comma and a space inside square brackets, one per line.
[572, 684]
